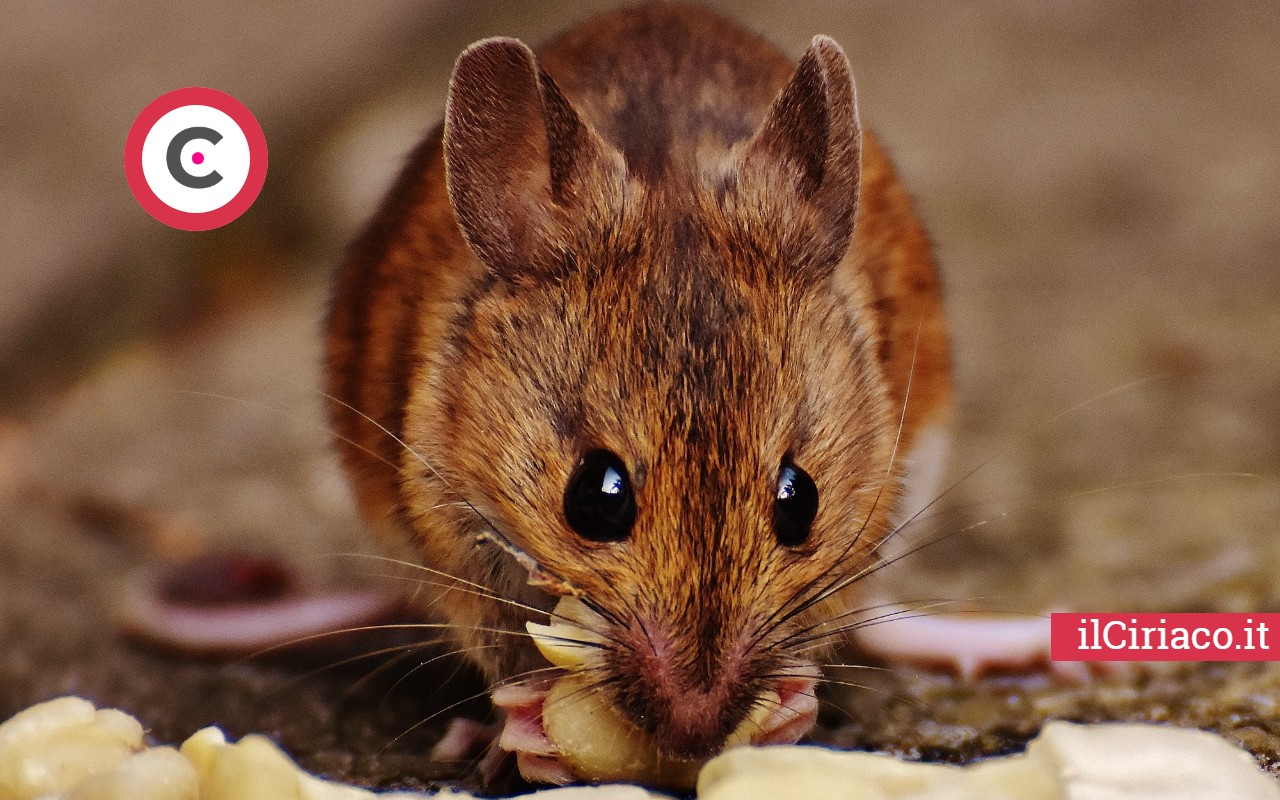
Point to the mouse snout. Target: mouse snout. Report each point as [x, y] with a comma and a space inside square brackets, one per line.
[693, 724]
[689, 699]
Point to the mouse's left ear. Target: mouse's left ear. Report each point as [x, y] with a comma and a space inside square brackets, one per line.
[806, 154]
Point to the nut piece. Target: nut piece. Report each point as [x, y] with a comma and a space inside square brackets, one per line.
[65, 749]
[160, 773]
[1067, 761]
[1150, 761]
[600, 745]
[49, 748]
[569, 639]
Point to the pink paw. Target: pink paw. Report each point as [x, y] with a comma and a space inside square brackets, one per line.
[795, 714]
[464, 740]
[523, 734]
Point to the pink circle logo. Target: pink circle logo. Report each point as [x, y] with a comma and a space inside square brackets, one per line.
[195, 159]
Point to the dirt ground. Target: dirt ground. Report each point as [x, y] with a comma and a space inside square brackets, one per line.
[1101, 182]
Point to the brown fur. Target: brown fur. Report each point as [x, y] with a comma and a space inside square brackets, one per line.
[640, 240]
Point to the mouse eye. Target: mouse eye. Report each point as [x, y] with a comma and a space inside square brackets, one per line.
[598, 502]
[794, 506]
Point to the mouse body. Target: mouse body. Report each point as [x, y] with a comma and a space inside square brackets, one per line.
[649, 320]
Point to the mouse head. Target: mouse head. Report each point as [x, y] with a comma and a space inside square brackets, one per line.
[661, 392]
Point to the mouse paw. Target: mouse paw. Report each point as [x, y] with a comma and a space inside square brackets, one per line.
[468, 741]
[794, 713]
[524, 735]
[464, 740]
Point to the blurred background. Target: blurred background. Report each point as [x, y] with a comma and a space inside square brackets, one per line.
[1100, 180]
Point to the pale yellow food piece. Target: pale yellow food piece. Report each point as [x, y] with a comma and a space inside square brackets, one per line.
[600, 745]
[1066, 762]
[49, 748]
[821, 774]
[251, 769]
[201, 749]
[1149, 762]
[160, 773]
[570, 622]
[67, 750]
[255, 769]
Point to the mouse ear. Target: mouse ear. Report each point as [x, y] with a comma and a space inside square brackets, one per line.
[519, 161]
[806, 154]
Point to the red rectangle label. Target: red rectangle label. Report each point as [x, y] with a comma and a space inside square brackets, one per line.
[1165, 637]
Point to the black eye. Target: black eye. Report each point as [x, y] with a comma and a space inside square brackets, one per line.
[794, 506]
[598, 503]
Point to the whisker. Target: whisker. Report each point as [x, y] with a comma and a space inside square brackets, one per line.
[1124, 387]
[514, 679]
[880, 690]
[381, 627]
[458, 667]
[873, 667]
[839, 584]
[915, 674]
[853, 626]
[775, 620]
[390, 663]
[759, 702]
[480, 589]
[405, 649]
[781, 615]
[492, 529]
[871, 569]
[1147, 482]
[593, 686]
[846, 712]
[797, 637]
[882, 563]
[897, 608]
[287, 415]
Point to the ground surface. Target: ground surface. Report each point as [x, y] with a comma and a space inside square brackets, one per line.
[1101, 182]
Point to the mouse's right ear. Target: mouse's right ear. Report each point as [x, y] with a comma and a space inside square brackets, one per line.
[804, 162]
[520, 163]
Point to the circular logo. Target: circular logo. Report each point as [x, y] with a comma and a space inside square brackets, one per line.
[195, 158]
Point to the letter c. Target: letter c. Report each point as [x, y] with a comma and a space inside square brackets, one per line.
[174, 158]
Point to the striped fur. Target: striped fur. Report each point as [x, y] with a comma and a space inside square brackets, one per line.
[640, 239]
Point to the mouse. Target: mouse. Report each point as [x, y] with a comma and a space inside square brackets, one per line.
[648, 321]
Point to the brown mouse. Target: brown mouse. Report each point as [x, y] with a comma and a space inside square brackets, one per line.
[647, 319]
